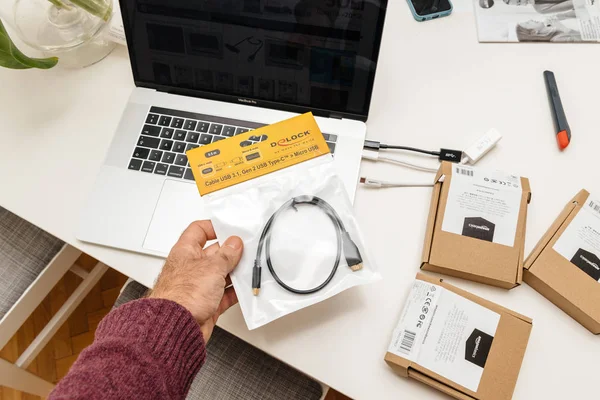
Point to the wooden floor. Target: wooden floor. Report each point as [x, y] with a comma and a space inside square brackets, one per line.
[77, 333]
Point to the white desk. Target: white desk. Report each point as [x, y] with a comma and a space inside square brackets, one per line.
[436, 86]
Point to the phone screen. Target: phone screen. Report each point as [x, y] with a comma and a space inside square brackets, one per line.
[427, 7]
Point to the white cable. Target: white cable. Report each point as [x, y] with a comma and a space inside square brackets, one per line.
[408, 165]
[373, 155]
[370, 154]
[374, 183]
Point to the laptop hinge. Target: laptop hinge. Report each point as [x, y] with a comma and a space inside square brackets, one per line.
[335, 116]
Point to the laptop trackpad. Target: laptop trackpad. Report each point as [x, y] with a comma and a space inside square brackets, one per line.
[179, 204]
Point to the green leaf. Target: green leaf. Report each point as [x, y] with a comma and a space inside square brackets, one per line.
[11, 57]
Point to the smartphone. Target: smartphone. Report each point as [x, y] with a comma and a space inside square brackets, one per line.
[425, 10]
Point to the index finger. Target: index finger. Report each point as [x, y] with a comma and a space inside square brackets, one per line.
[198, 233]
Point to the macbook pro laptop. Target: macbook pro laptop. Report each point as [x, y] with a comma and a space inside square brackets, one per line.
[206, 70]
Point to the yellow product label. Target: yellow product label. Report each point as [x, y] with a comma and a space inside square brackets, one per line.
[238, 159]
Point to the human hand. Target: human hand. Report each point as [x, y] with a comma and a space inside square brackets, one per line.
[197, 278]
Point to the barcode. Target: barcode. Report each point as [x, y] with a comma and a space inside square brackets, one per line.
[464, 171]
[408, 339]
[595, 206]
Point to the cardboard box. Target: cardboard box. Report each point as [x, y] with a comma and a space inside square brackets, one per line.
[458, 343]
[460, 242]
[565, 267]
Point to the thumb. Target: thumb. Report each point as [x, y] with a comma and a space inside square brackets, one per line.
[229, 255]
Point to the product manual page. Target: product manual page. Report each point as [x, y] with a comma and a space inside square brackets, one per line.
[445, 333]
[483, 204]
[580, 242]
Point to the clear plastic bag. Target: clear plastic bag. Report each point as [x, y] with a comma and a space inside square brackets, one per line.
[313, 225]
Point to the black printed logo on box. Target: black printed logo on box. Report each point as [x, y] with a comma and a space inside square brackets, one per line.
[588, 263]
[478, 347]
[479, 228]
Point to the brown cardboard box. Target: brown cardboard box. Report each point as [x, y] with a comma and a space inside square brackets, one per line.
[467, 257]
[501, 369]
[558, 279]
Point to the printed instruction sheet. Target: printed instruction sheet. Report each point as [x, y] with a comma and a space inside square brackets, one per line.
[445, 333]
[580, 242]
[535, 21]
[483, 204]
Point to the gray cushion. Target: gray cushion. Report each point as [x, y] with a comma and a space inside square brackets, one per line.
[25, 250]
[132, 291]
[236, 370]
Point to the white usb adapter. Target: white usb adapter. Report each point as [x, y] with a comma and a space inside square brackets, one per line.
[481, 147]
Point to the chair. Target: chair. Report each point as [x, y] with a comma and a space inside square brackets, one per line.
[236, 370]
[31, 263]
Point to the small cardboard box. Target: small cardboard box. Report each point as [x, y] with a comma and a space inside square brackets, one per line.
[564, 266]
[458, 343]
[460, 242]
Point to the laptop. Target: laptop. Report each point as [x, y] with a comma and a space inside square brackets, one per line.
[207, 70]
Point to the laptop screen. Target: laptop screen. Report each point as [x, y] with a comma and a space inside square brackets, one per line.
[296, 54]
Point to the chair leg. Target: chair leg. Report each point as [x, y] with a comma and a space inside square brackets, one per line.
[16, 378]
[61, 316]
[325, 390]
[37, 291]
[80, 272]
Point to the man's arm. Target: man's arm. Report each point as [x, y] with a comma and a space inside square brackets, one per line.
[145, 349]
[153, 348]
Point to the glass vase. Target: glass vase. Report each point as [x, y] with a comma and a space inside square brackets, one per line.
[74, 31]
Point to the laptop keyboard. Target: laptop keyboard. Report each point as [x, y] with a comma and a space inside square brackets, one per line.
[168, 134]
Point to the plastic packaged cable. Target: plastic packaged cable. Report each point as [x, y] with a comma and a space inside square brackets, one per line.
[302, 244]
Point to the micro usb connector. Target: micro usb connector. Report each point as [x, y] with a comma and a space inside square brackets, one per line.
[351, 253]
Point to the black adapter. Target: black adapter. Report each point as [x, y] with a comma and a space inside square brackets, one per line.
[450, 155]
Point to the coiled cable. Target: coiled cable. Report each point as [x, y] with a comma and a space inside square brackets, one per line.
[344, 243]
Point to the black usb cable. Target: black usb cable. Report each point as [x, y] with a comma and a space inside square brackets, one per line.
[454, 156]
[344, 242]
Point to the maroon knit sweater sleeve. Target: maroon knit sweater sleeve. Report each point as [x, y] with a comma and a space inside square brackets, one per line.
[145, 349]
